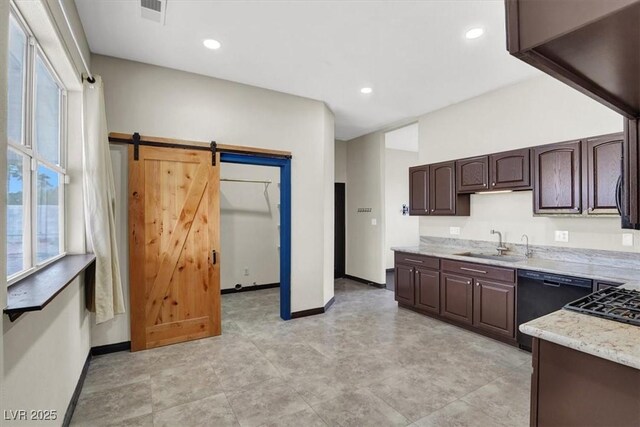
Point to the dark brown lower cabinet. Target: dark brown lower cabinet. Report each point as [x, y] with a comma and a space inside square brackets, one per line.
[494, 307]
[456, 298]
[427, 284]
[481, 299]
[571, 388]
[404, 290]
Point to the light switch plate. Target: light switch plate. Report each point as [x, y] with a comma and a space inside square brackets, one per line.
[374, 221]
[454, 231]
[627, 239]
[562, 236]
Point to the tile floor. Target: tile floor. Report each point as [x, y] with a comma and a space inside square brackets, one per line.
[364, 363]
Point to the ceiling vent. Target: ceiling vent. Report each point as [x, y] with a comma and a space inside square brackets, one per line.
[153, 10]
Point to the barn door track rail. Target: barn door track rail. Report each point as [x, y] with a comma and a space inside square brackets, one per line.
[137, 140]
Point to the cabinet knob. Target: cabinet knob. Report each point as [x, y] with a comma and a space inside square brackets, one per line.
[477, 284]
[493, 184]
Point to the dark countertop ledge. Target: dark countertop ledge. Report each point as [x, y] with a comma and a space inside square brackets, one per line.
[35, 291]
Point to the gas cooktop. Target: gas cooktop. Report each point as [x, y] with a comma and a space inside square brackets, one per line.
[622, 305]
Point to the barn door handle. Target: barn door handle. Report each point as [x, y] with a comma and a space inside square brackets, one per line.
[214, 257]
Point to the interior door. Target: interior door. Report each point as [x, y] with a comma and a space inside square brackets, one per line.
[174, 217]
[339, 231]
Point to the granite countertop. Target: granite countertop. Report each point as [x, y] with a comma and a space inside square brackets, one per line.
[589, 271]
[608, 339]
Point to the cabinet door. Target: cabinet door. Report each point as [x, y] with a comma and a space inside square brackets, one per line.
[427, 290]
[510, 170]
[442, 188]
[418, 190]
[472, 174]
[631, 175]
[602, 161]
[493, 307]
[557, 188]
[405, 292]
[456, 298]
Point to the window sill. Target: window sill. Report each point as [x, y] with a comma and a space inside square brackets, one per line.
[35, 291]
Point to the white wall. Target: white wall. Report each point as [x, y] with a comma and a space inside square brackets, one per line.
[537, 111]
[163, 102]
[42, 353]
[341, 161]
[249, 219]
[400, 230]
[328, 202]
[365, 174]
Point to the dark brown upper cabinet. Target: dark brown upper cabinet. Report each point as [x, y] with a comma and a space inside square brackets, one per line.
[510, 170]
[472, 174]
[602, 167]
[629, 194]
[419, 190]
[557, 181]
[592, 46]
[443, 198]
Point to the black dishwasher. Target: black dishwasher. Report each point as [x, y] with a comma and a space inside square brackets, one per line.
[543, 293]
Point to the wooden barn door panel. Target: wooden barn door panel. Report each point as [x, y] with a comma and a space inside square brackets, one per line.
[174, 227]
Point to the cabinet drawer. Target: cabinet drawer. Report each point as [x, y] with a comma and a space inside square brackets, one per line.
[418, 260]
[479, 270]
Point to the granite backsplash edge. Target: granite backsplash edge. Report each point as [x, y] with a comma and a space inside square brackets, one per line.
[553, 253]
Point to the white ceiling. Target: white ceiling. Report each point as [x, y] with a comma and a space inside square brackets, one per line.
[412, 53]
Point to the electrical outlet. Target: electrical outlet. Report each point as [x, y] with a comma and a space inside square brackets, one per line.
[627, 239]
[246, 271]
[562, 236]
[374, 221]
[454, 231]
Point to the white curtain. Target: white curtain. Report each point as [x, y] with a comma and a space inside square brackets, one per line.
[99, 204]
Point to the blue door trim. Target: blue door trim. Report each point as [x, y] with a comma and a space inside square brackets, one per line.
[285, 219]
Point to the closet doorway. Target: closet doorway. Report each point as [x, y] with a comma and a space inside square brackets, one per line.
[284, 166]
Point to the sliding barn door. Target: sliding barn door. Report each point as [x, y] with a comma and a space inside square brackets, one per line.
[174, 217]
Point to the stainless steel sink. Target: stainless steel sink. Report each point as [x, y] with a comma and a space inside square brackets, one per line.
[495, 257]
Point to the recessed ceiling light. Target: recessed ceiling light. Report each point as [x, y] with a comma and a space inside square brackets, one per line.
[211, 44]
[366, 90]
[474, 33]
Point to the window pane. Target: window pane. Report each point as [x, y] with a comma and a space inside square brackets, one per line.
[16, 73]
[17, 210]
[47, 214]
[47, 114]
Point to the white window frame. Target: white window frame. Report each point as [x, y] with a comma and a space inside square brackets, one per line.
[26, 148]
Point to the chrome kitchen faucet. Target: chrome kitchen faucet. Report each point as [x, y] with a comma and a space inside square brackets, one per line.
[501, 248]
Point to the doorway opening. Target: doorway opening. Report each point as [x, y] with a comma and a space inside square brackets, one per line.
[340, 231]
[284, 235]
